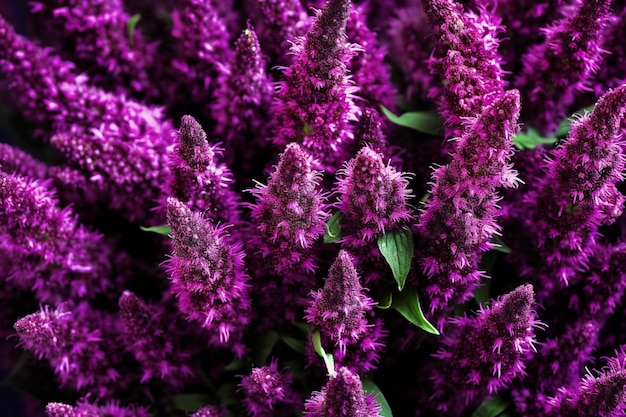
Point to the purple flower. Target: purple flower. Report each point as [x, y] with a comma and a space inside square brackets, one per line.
[94, 35]
[469, 63]
[369, 71]
[342, 396]
[373, 199]
[50, 252]
[458, 220]
[49, 93]
[289, 214]
[483, 354]
[208, 411]
[201, 48]
[129, 174]
[84, 409]
[18, 162]
[556, 70]
[410, 47]
[609, 73]
[269, 393]
[279, 23]
[340, 310]
[149, 338]
[76, 345]
[243, 97]
[575, 196]
[198, 179]
[207, 276]
[603, 395]
[314, 103]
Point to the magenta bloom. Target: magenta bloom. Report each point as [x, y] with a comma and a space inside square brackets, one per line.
[558, 69]
[207, 276]
[197, 177]
[603, 395]
[483, 354]
[369, 71]
[459, 218]
[201, 47]
[93, 34]
[151, 340]
[468, 62]
[18, 162]
[50, 252]
[279, 23]
[269, 393]
[289, 215]
[341, 312]
[342, 396]
[243, 97]
[84, 409]
[74, 344]
[576, 195]
[314, 103]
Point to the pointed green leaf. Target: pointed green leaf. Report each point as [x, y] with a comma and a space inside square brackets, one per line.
[227, 394]
[397, 249]
[190, 402]
[235, 365]
[407, 303]
[263, 347]
[492, 407]
[161, 230]
[530, 139]
[333, 228]
[372, 389]
[329, 361]
[566, 125]
[502, 247]
[131, 25]
[303, 327]
[422, 121]
[385, 302]
[296, 344]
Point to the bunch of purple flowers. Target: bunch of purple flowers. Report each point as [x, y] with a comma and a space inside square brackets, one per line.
[210, 208]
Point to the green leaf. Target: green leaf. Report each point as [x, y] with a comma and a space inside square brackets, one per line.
[235, 365]
[161, 230]
[530, 139]
[333, 228]
[397, 249]
[372, 389]
[263, 347]
[422, 121]
[18, 367]
[132, 23]
[329, 361]
[227, 394]
[407, 303]
[502, 247]
[385, 302]
[303, 327]
[296, 344]
[566, 125]
[190, 402]
[492, 407]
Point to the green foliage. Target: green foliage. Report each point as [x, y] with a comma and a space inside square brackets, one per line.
[190, 402]
[530, 139]
[422, 121]
[160, 230]
[132, 24]
[333, 228]
[397, 249]
[329, 361]
[407, 303]
[492, 407]
[372, 389]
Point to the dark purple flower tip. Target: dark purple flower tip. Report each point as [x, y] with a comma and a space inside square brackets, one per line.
[342, 396]
[268, 392]
[339, 308]
[191, 137]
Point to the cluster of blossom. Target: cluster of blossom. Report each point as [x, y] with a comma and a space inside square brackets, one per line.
[208, 209]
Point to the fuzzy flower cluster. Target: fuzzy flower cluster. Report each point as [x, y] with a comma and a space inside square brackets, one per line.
[318, 208]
